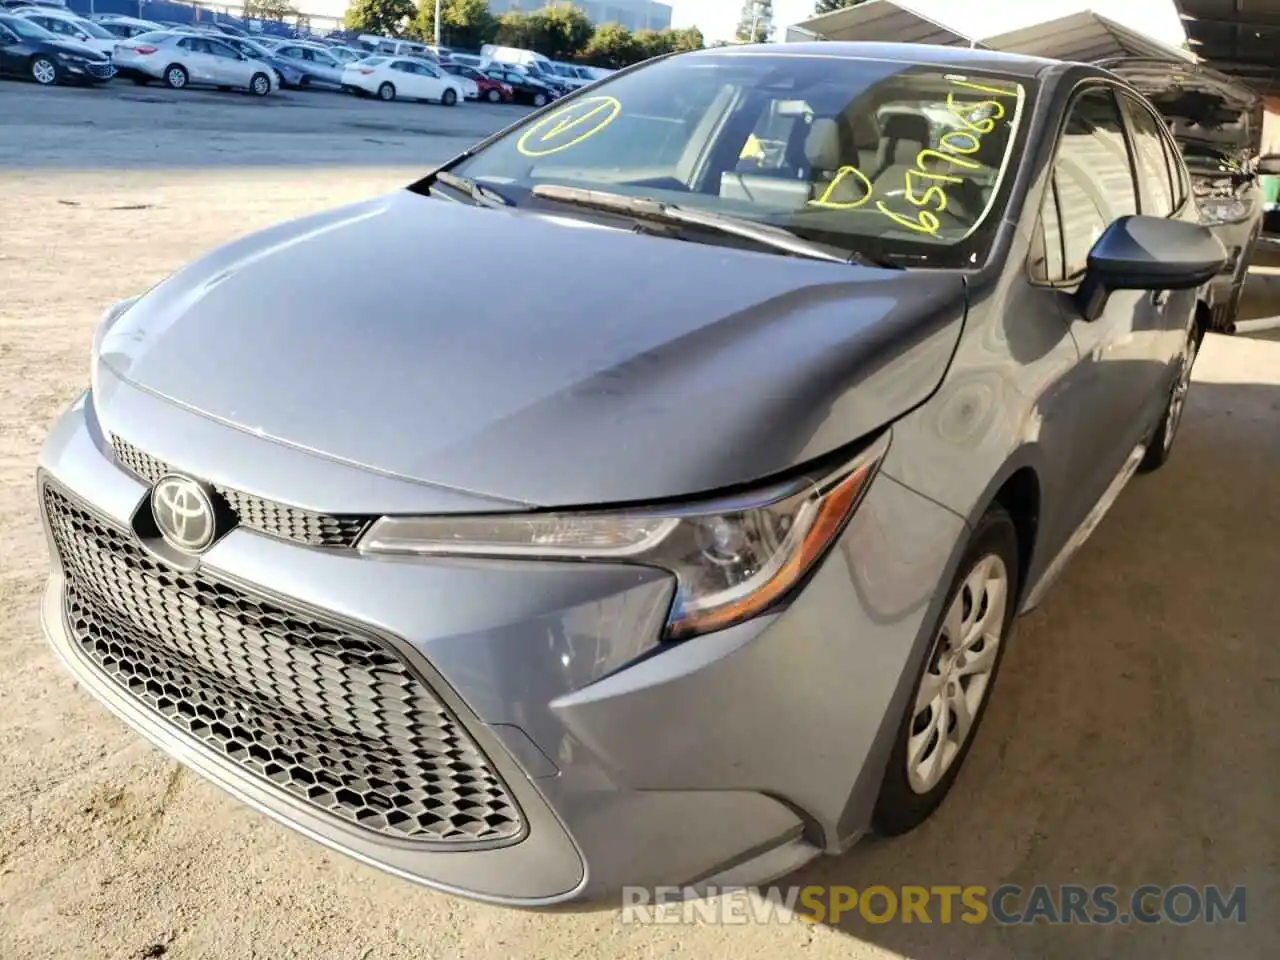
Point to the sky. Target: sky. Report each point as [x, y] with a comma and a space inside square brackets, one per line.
[984, 18]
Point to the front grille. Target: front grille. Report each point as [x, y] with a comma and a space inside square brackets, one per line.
[264, 516]
[327, 714]
[100, 69]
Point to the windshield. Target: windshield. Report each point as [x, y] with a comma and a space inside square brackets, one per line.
[893, 160]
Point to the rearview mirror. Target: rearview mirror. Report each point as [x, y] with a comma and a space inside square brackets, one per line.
[1269, 165]
[1149, 253]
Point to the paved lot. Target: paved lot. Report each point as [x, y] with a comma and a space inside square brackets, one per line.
[1135, 737]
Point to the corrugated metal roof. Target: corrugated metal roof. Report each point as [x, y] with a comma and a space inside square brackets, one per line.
[1240, 39]
[884, 21]
[1085, 36]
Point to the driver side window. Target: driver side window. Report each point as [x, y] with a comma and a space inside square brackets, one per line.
[1092, 187]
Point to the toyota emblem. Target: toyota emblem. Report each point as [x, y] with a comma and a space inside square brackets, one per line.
[184, 513]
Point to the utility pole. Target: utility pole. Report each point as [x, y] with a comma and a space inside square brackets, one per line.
[437, 23]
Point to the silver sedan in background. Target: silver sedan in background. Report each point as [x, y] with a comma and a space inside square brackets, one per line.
[317, 65]
[181, 59]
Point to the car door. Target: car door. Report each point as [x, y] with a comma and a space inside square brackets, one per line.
[432, 83]
[325, 66]
[228, 66]
[195, 58]
[1161, 194]
[12, 56]
[408, 83]
[1101, 401]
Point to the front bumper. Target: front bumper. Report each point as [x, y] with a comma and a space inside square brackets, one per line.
[738, 754]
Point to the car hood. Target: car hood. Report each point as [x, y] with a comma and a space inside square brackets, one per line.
[536, 358]
[76, 47]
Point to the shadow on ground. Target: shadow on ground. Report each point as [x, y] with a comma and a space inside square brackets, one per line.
[1135, 737]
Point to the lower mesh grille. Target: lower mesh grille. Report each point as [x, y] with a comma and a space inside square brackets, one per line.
[327, 714]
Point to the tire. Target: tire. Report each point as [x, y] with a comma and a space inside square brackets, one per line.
[494, 96]
[260, 85]
[1161, 444]
[176, 76]
[386, 93]
[141, 81]
[43, 71]
[912, 791]
[449, 98]
[539, 99]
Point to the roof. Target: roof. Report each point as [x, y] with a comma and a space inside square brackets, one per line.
[1240, 39]
[883, 20]
[1015, 64]
[1086, 37]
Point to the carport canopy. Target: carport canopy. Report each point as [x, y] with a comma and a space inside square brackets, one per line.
[879, 21]
[1240, 38]
[1085, 37]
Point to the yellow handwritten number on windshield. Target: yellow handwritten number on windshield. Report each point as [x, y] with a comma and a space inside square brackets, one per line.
[569, 126]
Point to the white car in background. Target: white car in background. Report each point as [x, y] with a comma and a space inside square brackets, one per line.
[69, 26]
[405, 78]
[470, 89]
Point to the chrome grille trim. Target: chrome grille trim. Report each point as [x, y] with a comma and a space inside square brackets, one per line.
[265, 516]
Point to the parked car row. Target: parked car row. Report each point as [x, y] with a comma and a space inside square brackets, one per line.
[52, 45]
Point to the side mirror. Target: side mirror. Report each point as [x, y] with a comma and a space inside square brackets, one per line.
[1149, 253]
[1269, 166]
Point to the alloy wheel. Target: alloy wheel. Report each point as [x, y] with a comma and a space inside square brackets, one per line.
[177, 78]
[958, 674]
[44, 72]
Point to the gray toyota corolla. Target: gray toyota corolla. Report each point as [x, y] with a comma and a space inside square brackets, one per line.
[646, 495]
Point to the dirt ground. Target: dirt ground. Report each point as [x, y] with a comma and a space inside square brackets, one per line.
[1134, 738]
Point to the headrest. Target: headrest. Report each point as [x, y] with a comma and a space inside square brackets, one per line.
[822, 145]
[866, 135]
[906, 126]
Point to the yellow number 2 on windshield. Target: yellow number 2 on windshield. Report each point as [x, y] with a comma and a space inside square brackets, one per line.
[569, 126]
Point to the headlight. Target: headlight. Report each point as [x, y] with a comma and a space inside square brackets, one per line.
[1223, 209]
[105, 322]
[70, 57]
[733, 557]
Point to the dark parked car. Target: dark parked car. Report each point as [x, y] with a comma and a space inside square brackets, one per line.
[694, 552]
[524, 88]
[289, 73]
[29, 50]
[1217, 124]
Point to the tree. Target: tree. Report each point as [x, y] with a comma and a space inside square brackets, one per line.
[383, 18]
[275, 10]
[560, 32]
[464, 23]
[755, 23]
[827, 6]
[690, 38]
[612, 46]
[516, 29]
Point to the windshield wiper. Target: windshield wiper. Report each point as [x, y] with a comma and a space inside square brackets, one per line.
[484, 196]
[646, 208]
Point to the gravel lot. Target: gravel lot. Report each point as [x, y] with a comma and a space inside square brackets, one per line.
[1134, 739]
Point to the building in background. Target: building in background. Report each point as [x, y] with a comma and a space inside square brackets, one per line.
[632, 14]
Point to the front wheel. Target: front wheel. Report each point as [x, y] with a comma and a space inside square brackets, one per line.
[386, 93]
[956, 679]
[539, 99]
[44, 71]
[260, 85]
[449, 98]
[494, 96]
[1162, 440]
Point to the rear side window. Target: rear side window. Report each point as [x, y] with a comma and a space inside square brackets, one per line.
[1093, 175]
[1153, 165]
